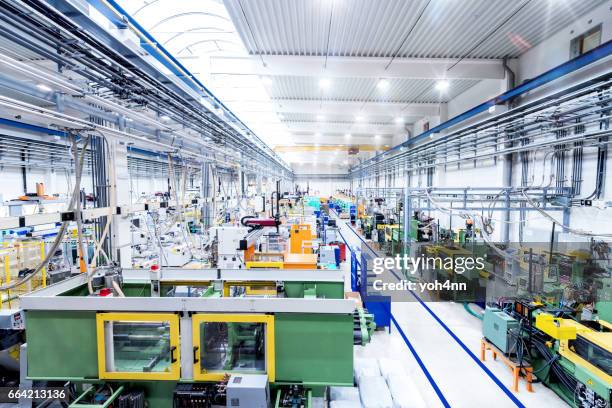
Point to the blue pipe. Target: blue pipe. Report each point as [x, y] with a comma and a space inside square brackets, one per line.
[53, 132]
[568, 67]
[32, 128]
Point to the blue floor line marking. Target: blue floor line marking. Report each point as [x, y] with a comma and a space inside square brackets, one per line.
[496, 380]
[420, 362]
[428, 375]
[472, 355]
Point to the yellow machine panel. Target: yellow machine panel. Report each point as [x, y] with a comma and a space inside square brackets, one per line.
[560, 329]
[138, 346]
[227, 335]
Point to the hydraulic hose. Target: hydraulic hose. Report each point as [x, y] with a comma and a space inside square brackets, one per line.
[466, 306]
[64, 226]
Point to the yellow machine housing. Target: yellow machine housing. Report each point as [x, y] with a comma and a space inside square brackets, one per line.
[200, 374]
[566, 330]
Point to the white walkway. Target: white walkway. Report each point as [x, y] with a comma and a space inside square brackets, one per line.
[460, 379]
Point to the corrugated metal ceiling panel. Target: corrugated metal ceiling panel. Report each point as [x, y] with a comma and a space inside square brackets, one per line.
[377, 28]
[401, 90]
[348, 119]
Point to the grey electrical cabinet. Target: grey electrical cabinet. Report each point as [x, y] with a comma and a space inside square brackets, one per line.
[248, 391]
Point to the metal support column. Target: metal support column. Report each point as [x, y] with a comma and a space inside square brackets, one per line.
[407, 211]
[119, 178]
[207, 196]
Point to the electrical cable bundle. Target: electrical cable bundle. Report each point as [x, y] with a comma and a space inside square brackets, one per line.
[79, 160]
[567, 380]
[133, 399]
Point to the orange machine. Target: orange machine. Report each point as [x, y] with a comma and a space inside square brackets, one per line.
[300, 238]
[40, 194]
[300, 261]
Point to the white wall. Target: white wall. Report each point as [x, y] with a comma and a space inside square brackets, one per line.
[325, 187]
[549, 54]
[479, 93]
[556, 50]
[147, 185]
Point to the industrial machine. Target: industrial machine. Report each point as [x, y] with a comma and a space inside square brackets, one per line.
[572, 357]
[138, 335]
[12, 335]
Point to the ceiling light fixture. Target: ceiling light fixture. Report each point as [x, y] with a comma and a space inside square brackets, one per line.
[324, 83]
[383, 85]
[347, 136]
[44, 87]
[442, 85]
[359, 118]
[266, 80]
[320, 117]
[164, 118]
[399, 120]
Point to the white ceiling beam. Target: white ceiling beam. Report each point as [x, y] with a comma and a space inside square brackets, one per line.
[343, 128]
[393, 109]
[335, 139]
[358, 67]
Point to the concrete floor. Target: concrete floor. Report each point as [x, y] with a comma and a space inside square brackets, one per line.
[460, 379]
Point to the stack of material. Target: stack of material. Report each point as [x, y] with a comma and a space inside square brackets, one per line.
[344, 397]
[375, 393]
[383, 383]
[403, 390]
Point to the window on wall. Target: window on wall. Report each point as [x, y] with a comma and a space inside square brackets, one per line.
[585, 42]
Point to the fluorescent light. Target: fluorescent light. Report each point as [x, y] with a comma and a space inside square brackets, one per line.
[376, 137]
[266, 80]
[347, 136]
[44, 87]
[164, 118]
[383, 85]
[318, 135]
[324, 83]
[442, 85]
[359, 118]
[399, 120]
[281, 116]
[320, 117]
